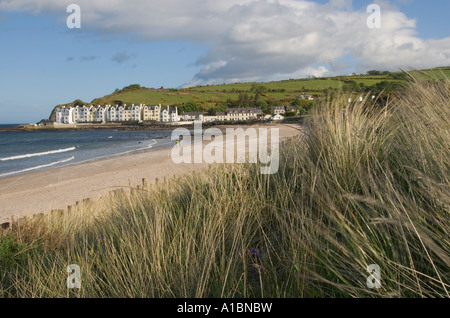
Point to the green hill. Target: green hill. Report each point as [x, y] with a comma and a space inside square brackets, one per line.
[219, 97]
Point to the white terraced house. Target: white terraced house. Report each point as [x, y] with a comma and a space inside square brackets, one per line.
[151, 113]
[80, 114]
[245, 113]
[101, 114]
[59, 115]
[136, 113]
[188, 116]
[126, 113]
[221, 116]
[76, 114]
[173, 114]
[144, 113]
[169, 114]
[111, 113]
[84, 114]
[230, 115]
[164, 115]
[108, 113]
[92, 111]
[120, 111]
[279, 110]
[64, 115]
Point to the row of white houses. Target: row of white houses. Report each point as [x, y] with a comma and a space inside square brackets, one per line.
[144, 113]
[108, 113]
[231, 114]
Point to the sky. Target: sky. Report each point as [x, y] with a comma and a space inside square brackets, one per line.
[182, 43]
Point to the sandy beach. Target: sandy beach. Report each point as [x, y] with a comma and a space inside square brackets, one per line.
[43, 191]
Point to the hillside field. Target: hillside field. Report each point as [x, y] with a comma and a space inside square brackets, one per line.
[219, 97]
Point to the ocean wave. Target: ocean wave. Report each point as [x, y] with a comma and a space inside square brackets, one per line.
[149, 146]
[38, 154]
[37, 167]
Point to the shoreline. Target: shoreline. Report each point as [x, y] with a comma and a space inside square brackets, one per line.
[28, 194]
[137, 127]
[221, 126]
[57, 188]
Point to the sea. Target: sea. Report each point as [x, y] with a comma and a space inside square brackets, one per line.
[22, 152]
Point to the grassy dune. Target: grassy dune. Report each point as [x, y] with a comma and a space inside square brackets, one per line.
[363, 186]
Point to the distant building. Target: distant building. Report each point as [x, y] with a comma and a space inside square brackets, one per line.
[112, 114]
[59, 116]
[245, 113]
[46, 122]
[221, 116]
[64, 115]
[122, 113]
[305, 96]
[292, 109]
[168, 114]
[277, 117]
[151, 113]
[101, 114]
[140, 113]
[188, 116]
[136, 113]
[92, 114]
[209, 119]
[83, 114]
[76, 114]
[279, 110]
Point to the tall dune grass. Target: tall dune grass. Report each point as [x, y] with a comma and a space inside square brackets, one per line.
[364, 185]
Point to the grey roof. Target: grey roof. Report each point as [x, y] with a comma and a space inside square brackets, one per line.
[243, 110]
[192, 113]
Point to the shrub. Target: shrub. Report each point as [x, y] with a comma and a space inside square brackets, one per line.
[10, 252]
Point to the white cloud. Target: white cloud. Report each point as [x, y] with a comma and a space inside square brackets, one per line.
[262, 39]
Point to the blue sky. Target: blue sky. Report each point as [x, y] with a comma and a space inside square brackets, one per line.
[174, 43]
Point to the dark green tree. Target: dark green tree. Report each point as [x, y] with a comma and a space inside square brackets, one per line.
[132, 87]
[78, 102]
[265, 108]
[188, 107]
[244, 100]
[373, 72]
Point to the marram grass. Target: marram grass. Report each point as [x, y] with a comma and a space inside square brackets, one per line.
[364, 185]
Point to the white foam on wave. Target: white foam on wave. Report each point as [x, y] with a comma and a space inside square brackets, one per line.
[37, 167]
[149, 146]
[29, 155]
